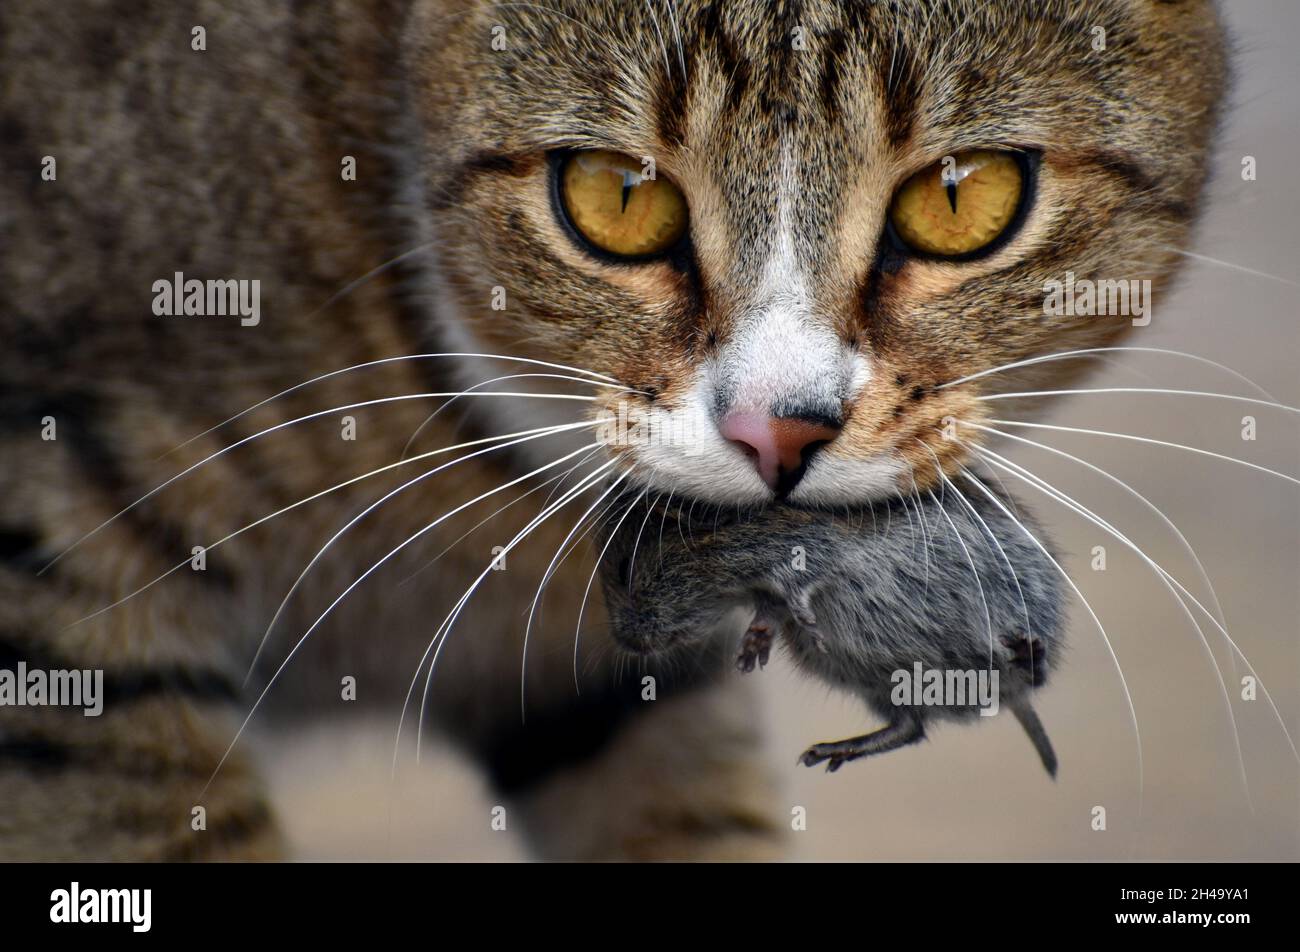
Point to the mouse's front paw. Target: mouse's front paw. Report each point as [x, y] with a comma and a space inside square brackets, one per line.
[756, 645]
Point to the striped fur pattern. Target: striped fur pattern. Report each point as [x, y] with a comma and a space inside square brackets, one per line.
[225, 163]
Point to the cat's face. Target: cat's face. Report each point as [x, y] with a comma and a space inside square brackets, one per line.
[798, 317]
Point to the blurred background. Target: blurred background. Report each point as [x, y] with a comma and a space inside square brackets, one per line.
[979, 792]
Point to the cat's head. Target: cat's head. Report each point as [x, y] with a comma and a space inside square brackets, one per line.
[852, 204]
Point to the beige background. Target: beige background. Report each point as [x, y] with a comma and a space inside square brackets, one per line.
[978, 792]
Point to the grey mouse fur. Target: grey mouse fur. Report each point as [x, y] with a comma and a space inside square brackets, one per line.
[857, 599]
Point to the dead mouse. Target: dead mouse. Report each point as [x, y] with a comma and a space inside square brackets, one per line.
[941, 606]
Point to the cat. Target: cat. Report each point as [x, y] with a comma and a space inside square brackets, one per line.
[724, 218]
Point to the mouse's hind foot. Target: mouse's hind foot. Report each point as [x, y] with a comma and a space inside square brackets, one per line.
[905, 729]
[756, 645]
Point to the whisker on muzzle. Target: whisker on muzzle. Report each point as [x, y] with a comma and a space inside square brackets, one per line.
[1110, 648]
[443, 632]
[542, 431]
[366, 574]
[320, 553]
[1093, 351]
[280, 426]
[1182, 592]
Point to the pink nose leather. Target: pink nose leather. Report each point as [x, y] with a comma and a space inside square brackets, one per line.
[775, 444]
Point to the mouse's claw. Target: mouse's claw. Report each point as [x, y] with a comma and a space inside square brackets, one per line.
[818, 752]
[905, 729]
[755, 646]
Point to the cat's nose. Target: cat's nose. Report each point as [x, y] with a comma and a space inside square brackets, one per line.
[779, 446]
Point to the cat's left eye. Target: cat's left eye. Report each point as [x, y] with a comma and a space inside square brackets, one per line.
[960, 205]
[613, 203]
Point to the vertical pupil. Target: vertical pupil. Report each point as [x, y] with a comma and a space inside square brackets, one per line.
[629, 181]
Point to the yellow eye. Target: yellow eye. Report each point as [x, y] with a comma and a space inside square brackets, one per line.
[611, 203]
[960, 204]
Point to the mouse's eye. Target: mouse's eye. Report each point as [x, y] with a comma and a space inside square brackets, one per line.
[961, 204]
[610, 202]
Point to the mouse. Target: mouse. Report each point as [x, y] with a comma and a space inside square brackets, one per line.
[944, 606]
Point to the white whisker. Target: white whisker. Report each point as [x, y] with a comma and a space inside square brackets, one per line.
[1187, 546]
[677, 34]
[582, 607]
[546, 577]
[1073, 504]
[379, 363]
[1145, 439]
[371, 508]
[1128, 697]
[366, 574]
[558, 480]
[280, 426]
[1024, 607]
[485, 383]
[925, 535]
[1181, 393]
[1165, 578]
[443, 633]
[654, 21]
[988, 619]
[370, 275]
[1070, 354]
[1232, 267]
[636, 543]
[324, 492]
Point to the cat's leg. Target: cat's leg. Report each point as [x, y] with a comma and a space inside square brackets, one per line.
[904, 729]
[111, 727]
[105, 750]
[128, 784]
[679, 778]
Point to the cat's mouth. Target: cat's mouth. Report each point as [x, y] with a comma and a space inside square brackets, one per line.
[879, 432]
[719, 476]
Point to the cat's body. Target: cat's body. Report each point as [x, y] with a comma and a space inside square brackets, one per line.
[226, 163]
[942, 589]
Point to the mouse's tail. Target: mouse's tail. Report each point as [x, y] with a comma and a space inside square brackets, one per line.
[1028, 719]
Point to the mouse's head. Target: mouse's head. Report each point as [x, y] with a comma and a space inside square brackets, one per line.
[787, 227]
[658, 595]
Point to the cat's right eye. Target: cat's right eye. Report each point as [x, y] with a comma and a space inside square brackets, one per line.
[960, 205]
[614, 205]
